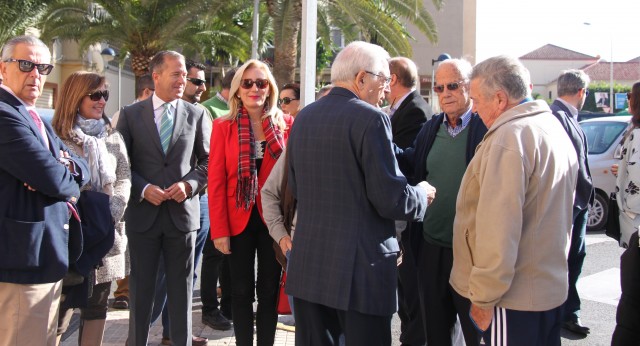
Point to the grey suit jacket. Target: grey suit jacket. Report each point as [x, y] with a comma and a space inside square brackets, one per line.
[349, 191]
[186, 160]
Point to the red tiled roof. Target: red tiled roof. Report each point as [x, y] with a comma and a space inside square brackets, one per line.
[621, 71]
[553, 52]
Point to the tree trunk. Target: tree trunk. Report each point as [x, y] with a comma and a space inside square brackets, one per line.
[286, 29]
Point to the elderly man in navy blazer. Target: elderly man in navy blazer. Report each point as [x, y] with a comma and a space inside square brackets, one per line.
[343, 267]
[39, 181]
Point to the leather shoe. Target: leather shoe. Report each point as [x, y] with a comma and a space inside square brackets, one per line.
[576, 327]
[121, 302]
[195, 341]
[216, 321]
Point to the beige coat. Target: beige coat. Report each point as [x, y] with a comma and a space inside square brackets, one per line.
[514, 213]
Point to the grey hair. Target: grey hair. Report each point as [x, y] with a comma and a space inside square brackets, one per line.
[355, 57]
[463, 67]
[571, 81]
[9, 46]
[157, 62]
[503, 73]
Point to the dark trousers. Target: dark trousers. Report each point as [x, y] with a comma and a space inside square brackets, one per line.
[411, 325]
[96, 308]
[577, 253]
[160, 302]
[436, 295]
[244, 286]
[215, 266]
[511, 327]
[320, 325]
[177, 249]
[627, 332]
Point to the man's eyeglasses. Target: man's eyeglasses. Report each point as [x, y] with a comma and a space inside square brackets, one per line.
[196, 81]
[96, 95]
[386, 79]
[28, 66]
[260, 83]
[450, 86]
[285, 100]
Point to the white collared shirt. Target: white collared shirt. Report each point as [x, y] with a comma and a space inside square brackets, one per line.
[158, 108]
[572, 108]
[394, 107]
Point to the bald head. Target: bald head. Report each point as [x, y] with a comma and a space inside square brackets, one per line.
[405, 70]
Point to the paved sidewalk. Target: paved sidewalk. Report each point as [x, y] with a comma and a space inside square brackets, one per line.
[118, 326]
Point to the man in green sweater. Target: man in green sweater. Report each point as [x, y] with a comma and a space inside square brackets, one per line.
[440, 156]
[217, 105]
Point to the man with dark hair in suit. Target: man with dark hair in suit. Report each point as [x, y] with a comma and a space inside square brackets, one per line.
[38, 183]
[342, 171]
[168, 143]
[440, 155]
[572, 92]
[408, 112]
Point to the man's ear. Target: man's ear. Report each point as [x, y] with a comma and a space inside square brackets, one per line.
[360, 78]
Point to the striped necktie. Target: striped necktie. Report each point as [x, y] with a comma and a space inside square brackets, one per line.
[166, 127]
[43, 133]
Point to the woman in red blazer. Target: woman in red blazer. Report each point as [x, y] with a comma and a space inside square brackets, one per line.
[245, 145]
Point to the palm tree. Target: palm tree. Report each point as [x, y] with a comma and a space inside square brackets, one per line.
[143, 28]
[15, 19]
[377, 21]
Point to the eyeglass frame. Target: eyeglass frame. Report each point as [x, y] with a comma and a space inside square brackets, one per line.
[286, 100]
[248, 83]
[196, 81]
[101, 94]
[386, 79]
[41, 67]
[439, 89]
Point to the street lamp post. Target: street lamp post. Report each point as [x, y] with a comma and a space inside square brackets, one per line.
[434, 100]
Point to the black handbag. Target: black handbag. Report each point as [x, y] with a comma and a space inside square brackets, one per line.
[612, 228]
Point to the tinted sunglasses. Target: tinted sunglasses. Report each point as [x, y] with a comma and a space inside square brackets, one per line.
[96, 95]
[260, 83]
[28, 66]
[451, 86]
[196, 81]
[285, 100]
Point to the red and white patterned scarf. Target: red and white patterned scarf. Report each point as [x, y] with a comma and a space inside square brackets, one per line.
[247, 188]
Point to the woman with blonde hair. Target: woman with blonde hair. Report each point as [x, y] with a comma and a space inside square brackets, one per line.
[246, 144]
[80, 121]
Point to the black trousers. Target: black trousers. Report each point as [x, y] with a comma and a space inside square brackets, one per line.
[320, 325]
[436, 295]
[244, 287]
[411, 325]
[627, 330]
[511, 327]
[215, 266]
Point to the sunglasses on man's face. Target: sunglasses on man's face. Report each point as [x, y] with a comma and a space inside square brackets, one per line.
[260, 83]
[196, 81]
[28, 66]
[96, 95]
[285, 100]
[450, 86]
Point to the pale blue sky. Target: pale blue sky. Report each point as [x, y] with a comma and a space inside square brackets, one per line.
[517, 27]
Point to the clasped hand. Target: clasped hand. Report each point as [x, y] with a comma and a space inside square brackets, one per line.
[429, 189]
[177, 192]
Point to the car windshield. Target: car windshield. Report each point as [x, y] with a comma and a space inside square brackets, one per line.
[602, 134]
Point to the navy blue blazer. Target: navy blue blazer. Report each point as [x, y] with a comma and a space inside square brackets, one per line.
[584, 185]
[34, 225]
[349, 189]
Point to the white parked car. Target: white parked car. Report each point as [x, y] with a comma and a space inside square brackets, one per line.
[603, 136]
